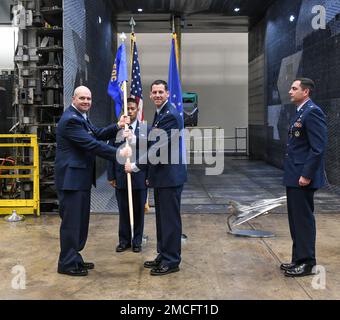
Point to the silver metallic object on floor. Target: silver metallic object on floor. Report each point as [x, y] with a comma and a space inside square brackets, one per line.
[240, 214]
[14, 217]
[145, 238]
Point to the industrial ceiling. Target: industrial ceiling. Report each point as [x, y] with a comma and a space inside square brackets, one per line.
[195, 15]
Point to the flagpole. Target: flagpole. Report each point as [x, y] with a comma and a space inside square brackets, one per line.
[129, 183]
[170, 84]
[176, 34]
[132, 39]
[132, 24]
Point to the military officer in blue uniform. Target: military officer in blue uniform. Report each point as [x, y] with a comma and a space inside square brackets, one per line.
[303, 175]
[77, 146]
[167, 175]
[118, 179]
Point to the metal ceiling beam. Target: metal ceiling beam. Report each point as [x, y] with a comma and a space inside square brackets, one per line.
[161, 23]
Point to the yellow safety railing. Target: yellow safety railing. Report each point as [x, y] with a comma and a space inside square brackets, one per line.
[22, 206]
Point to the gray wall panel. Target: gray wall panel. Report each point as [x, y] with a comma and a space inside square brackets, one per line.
[88, 57]
[295, 49]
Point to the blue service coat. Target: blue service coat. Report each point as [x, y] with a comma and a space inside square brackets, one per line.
[306, 147]
[166, 173]
[77, 146]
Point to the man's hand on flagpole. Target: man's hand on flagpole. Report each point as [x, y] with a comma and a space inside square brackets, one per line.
[129, 135]
[128, 167]
[126, 152]
[131, 167]
[123, 121]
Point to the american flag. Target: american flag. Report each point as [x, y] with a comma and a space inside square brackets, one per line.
[136, 90]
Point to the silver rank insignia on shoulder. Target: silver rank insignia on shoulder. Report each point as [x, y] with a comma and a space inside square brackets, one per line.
[297, 134]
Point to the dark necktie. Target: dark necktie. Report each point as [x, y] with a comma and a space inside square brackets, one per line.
[89, 124]
[155, 118]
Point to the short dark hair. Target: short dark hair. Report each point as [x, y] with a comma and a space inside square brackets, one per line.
[157, 82]
[133, 100]
[306, 83]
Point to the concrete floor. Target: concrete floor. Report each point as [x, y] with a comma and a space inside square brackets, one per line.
[215, 265]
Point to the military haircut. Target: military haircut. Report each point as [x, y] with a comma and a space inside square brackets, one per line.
[306, 83]
[157, 82]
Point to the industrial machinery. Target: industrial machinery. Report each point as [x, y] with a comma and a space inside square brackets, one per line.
[38, 87]
[8, 187]
[19, 175]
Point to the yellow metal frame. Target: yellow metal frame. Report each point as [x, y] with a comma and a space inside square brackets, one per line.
[23, 206]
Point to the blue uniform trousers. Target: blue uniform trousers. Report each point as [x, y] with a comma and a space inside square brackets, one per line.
[138, 199]
[168, 224]
[301, 219]
[74, 210]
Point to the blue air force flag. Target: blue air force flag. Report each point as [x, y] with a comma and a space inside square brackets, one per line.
[175, 91]
[174, 82]
[119, 75]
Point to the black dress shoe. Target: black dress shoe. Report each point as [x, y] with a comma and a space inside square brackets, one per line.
[137, 248]
[287, 266]
[152, 263]
[78, 272]
[88, 265]
[121, 247]
[162, 270]
[300, 270]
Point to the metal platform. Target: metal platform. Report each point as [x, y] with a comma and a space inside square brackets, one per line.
[103, 197]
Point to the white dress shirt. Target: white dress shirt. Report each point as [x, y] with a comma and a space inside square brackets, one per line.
[82, 113]
[301, 105]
